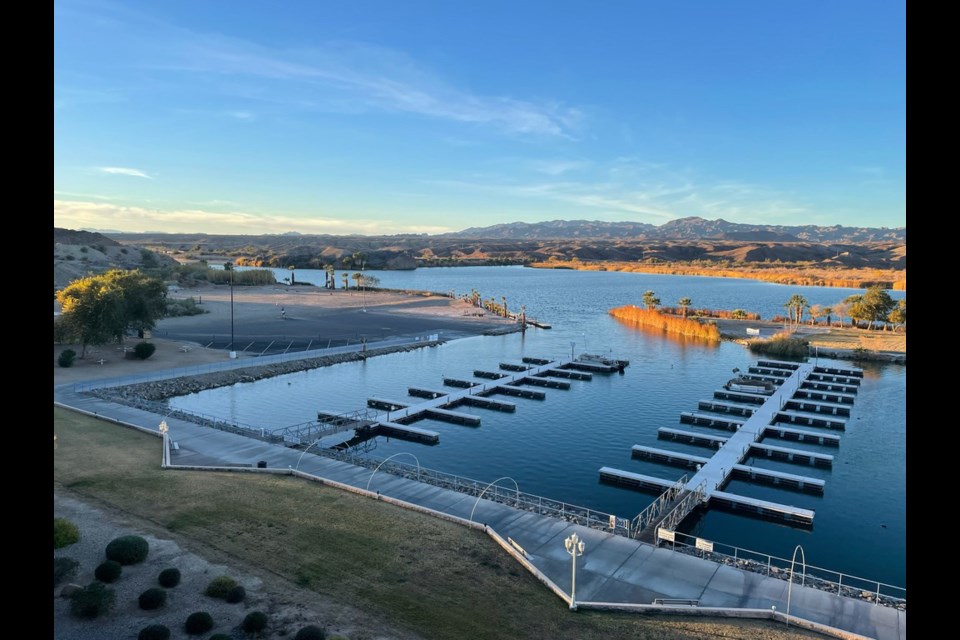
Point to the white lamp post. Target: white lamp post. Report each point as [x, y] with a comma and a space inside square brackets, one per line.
[574, 547]
[164, 429]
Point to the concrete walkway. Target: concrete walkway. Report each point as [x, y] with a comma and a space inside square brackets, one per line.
[613, 569]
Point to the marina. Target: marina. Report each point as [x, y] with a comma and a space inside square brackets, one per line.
[712, 473]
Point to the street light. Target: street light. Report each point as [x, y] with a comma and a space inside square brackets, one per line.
[229, 267]
[164, 429]
[574, 547]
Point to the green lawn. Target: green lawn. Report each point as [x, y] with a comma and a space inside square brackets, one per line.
[436, 578]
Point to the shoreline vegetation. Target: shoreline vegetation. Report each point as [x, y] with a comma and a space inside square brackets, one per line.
[799, 275]
[669, 324]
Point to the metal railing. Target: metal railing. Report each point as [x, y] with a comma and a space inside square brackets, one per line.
[308, 432]
[249, 361]
[509, 496]
[842, 584]
[687, 504]
[825, 579]
[657, 507]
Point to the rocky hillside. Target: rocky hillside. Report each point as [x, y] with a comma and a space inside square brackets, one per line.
[686, 240]
[81, 253]
[692, 228]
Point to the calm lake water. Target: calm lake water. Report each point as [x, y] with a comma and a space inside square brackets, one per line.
[556, 447]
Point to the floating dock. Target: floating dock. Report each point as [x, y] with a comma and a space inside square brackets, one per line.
[393, 417]
[805, 394]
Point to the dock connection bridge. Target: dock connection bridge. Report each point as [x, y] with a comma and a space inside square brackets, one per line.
[773, 400]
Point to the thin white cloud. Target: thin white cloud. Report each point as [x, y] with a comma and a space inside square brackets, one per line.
[558, 167]
[72, 194]
[333, 75]
[646, 192]
[98, 215]
[244, 116]
[126, 171]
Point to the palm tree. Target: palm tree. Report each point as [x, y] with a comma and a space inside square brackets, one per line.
[650, 300]
[346, 285]
[684, 303]
[798, 303]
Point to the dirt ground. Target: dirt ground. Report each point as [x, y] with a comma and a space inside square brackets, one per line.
[288, 608]
[833, 338]
[262, 305]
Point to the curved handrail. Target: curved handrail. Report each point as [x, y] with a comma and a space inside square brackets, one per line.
[394, 456]
[803, 561]
[490, 485]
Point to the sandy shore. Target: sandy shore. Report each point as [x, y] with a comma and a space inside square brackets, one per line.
[282, 311]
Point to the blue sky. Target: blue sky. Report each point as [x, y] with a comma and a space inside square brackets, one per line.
[388, 116]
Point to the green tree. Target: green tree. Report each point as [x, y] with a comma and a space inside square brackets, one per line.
[144, 298]
[878, 305]
[93, 308]
[856, 310]
[102, 307]
[684, 303]
[898, 316]
[873, 306]
[650, 300]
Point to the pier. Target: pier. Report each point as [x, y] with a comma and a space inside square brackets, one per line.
[758, 417]
[392, 417]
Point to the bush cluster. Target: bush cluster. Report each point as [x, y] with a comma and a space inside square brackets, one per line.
[311, 632]
[128, 549]
[152, 598]
[169, 578]
[154, 632]
[198, 623]
[108, 571]
[144, 350]
[255, 622]
[64, 533]
[66, 357]
[94, 600]
[237, 594]
[220, 587]
[63, 568]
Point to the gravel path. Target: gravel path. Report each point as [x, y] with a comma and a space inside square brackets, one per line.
[288, 608]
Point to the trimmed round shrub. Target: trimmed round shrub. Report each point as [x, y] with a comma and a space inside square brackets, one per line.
[311, 632]
[63, 568]
[152, 598]
[144, 350]
[128, 549]
[169, 577]
[220, 587]
[94, 600]
[237, 594]
[108, 571]
[64, 533]
[66, 357]
[154, 632]
[198, 622]
[255, 622]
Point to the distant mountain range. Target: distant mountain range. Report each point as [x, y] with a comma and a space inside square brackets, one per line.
[692, 228]
[77, 253]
